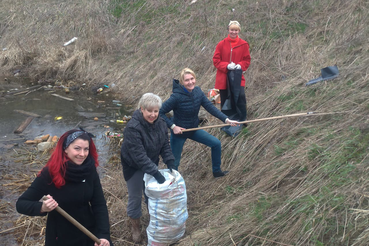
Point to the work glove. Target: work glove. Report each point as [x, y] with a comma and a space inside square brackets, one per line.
[232, 122]
[231, 66]
[238, 66]
[170, 165]
[159, 177]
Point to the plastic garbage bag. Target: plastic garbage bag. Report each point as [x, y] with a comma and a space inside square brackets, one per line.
[167, 205]
[232, 131]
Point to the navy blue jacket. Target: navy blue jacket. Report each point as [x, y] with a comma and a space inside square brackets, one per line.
[186, 106]
[143, 143]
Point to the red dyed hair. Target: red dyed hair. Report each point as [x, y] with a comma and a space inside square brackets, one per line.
[58, 160]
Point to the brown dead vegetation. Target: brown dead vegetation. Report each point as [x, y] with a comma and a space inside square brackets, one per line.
[292, 182]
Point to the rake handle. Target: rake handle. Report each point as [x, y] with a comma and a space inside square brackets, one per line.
[75, 222]
[257, 120]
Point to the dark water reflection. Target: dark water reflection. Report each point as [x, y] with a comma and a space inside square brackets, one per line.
[49, 107]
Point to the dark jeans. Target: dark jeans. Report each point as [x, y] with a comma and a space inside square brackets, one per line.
[238, 111]
[201, 136]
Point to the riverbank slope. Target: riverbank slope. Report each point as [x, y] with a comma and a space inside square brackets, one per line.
[298, 181]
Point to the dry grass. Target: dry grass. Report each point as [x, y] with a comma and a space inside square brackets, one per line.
[298, 181]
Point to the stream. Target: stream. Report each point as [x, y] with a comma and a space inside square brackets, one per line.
[95, 111]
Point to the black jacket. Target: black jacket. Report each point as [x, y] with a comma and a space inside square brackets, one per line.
[83, 201]
[143, 143]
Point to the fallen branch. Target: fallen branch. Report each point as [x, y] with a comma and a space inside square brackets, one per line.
[65, 98]
[10, 229]
[27, 113]
[24, 90]
[24, 125]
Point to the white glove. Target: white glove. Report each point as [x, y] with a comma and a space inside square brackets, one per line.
[238, 66]
[231, 66]
[232, 122]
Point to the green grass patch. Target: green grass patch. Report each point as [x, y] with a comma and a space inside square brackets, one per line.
[315, 150]
[260, 207]
[234, 218]
[296, 106]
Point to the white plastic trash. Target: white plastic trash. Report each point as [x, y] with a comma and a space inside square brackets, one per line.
[167, 208]
[70, 41]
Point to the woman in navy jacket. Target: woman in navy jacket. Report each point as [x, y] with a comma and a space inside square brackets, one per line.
[69, 180]
[185, 102]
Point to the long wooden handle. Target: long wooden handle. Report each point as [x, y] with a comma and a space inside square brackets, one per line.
[75, 222]
[258, 120]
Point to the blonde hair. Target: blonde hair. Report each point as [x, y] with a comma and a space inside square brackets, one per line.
[186, 71]
[149, 100]
[234, 23]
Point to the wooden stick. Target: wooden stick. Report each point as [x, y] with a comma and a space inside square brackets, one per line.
[75, 222]
[258, 120]
[27, 113]
[65, 98]
[24, 90]
[24, 125]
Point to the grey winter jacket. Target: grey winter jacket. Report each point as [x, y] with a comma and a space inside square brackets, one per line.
[186, 106]
[143, 143]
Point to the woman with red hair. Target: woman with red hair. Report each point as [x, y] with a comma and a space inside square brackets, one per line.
[69, 180]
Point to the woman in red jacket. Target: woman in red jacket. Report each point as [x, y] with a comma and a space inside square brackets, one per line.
[232, 53]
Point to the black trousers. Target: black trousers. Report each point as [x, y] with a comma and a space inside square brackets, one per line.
[238, 111]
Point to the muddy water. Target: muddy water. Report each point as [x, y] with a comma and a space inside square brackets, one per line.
[57, 115]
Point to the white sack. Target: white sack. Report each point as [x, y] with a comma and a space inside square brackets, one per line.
[167, 208]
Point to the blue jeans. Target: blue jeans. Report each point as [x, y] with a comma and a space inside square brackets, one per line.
[201, 136]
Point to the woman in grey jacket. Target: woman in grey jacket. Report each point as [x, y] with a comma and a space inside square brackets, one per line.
[185, 102]
[145, 139]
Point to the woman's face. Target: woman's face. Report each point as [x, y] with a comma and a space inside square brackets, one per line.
[233, 32]
[78, 151]
[150, 114]
[189, 81]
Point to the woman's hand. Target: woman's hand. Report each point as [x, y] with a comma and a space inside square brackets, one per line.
[232, 122]
[48, 205]
[178, 130]
[103, 242]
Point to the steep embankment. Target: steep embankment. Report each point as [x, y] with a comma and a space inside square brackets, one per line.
[299, 181]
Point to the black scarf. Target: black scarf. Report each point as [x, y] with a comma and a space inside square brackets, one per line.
[78, 173]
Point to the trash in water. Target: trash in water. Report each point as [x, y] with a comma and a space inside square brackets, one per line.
[328, 73]
[70, 41]
[127, 118]
[58, 118]
[113, 134]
